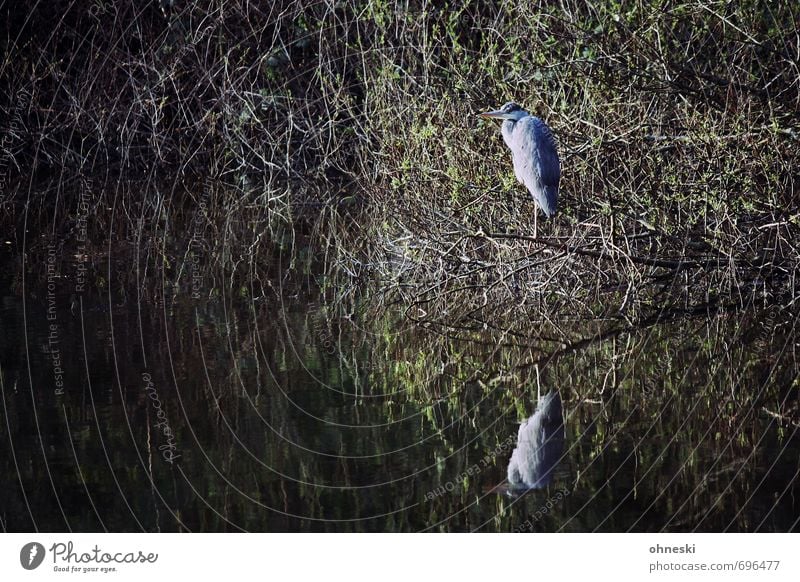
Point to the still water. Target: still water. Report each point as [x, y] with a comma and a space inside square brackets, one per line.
[138, 407]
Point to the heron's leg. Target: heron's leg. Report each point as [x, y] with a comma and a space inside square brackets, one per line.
[538, 386]
[536, 223]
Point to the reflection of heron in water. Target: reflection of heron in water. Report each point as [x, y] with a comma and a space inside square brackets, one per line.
[540, 443]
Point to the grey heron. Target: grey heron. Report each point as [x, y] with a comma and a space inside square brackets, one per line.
[534, 154]
[540, 442]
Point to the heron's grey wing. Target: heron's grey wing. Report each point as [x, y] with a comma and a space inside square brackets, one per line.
[536, 161]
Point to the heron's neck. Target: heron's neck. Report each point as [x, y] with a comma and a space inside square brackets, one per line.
[507, 128]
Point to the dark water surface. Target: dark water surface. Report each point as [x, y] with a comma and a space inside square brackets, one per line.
[128, 408]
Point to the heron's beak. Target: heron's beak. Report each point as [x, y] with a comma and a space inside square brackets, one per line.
[494, 115]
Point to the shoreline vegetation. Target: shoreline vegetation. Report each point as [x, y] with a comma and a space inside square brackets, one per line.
[273, 243]
[345, 133]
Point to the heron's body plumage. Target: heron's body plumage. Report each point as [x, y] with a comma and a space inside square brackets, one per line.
[535, 158]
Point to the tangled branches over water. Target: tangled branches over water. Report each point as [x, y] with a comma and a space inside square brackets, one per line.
[677, 126]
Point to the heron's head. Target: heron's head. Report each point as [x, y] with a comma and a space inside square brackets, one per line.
[510, 111]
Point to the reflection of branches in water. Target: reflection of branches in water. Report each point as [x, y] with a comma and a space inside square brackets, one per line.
[789, 418]
[691, 513]
[657, 319]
